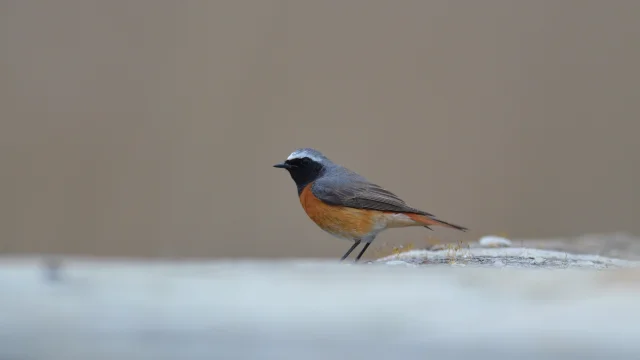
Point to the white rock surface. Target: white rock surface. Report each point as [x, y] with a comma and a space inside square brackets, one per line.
[509, 257]
[312, 310]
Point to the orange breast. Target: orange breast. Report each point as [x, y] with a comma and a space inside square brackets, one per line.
[340, 221]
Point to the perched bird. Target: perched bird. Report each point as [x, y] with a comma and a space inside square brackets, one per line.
[348, 206]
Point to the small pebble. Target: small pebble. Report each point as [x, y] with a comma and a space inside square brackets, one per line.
[498, 263]
[494, 241]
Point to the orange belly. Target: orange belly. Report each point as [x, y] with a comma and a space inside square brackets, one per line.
[343, 222]
[350, 223]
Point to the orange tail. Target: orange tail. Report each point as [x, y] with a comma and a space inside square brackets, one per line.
[427, 221]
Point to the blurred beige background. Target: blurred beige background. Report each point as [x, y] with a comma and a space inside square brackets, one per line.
[149, 127]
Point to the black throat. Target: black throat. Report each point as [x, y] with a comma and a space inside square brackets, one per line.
[304, 173]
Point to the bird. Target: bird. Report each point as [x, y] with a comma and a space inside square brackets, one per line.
[347, 205]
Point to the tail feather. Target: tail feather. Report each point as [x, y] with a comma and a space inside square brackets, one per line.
[426, 221]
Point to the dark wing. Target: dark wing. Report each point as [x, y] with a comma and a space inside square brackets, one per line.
[361, 194]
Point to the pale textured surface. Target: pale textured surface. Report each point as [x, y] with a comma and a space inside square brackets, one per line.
[313, 310]
[508, 257]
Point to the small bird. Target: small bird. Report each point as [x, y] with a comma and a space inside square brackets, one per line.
[348, 206]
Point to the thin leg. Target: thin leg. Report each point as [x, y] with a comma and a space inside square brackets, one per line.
[356, 243]
[362, 251]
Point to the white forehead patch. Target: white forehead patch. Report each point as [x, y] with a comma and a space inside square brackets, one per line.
[299, 154]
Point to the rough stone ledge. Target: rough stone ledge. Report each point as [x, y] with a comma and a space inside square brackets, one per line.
[308, 309]
[507, 257]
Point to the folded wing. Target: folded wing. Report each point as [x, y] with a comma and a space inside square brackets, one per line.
[360, 194]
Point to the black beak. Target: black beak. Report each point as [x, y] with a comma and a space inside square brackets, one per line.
[282, 166]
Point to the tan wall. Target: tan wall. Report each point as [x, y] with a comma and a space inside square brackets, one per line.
[149, 127]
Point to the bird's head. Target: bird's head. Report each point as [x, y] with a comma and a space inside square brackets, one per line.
[305, 166]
